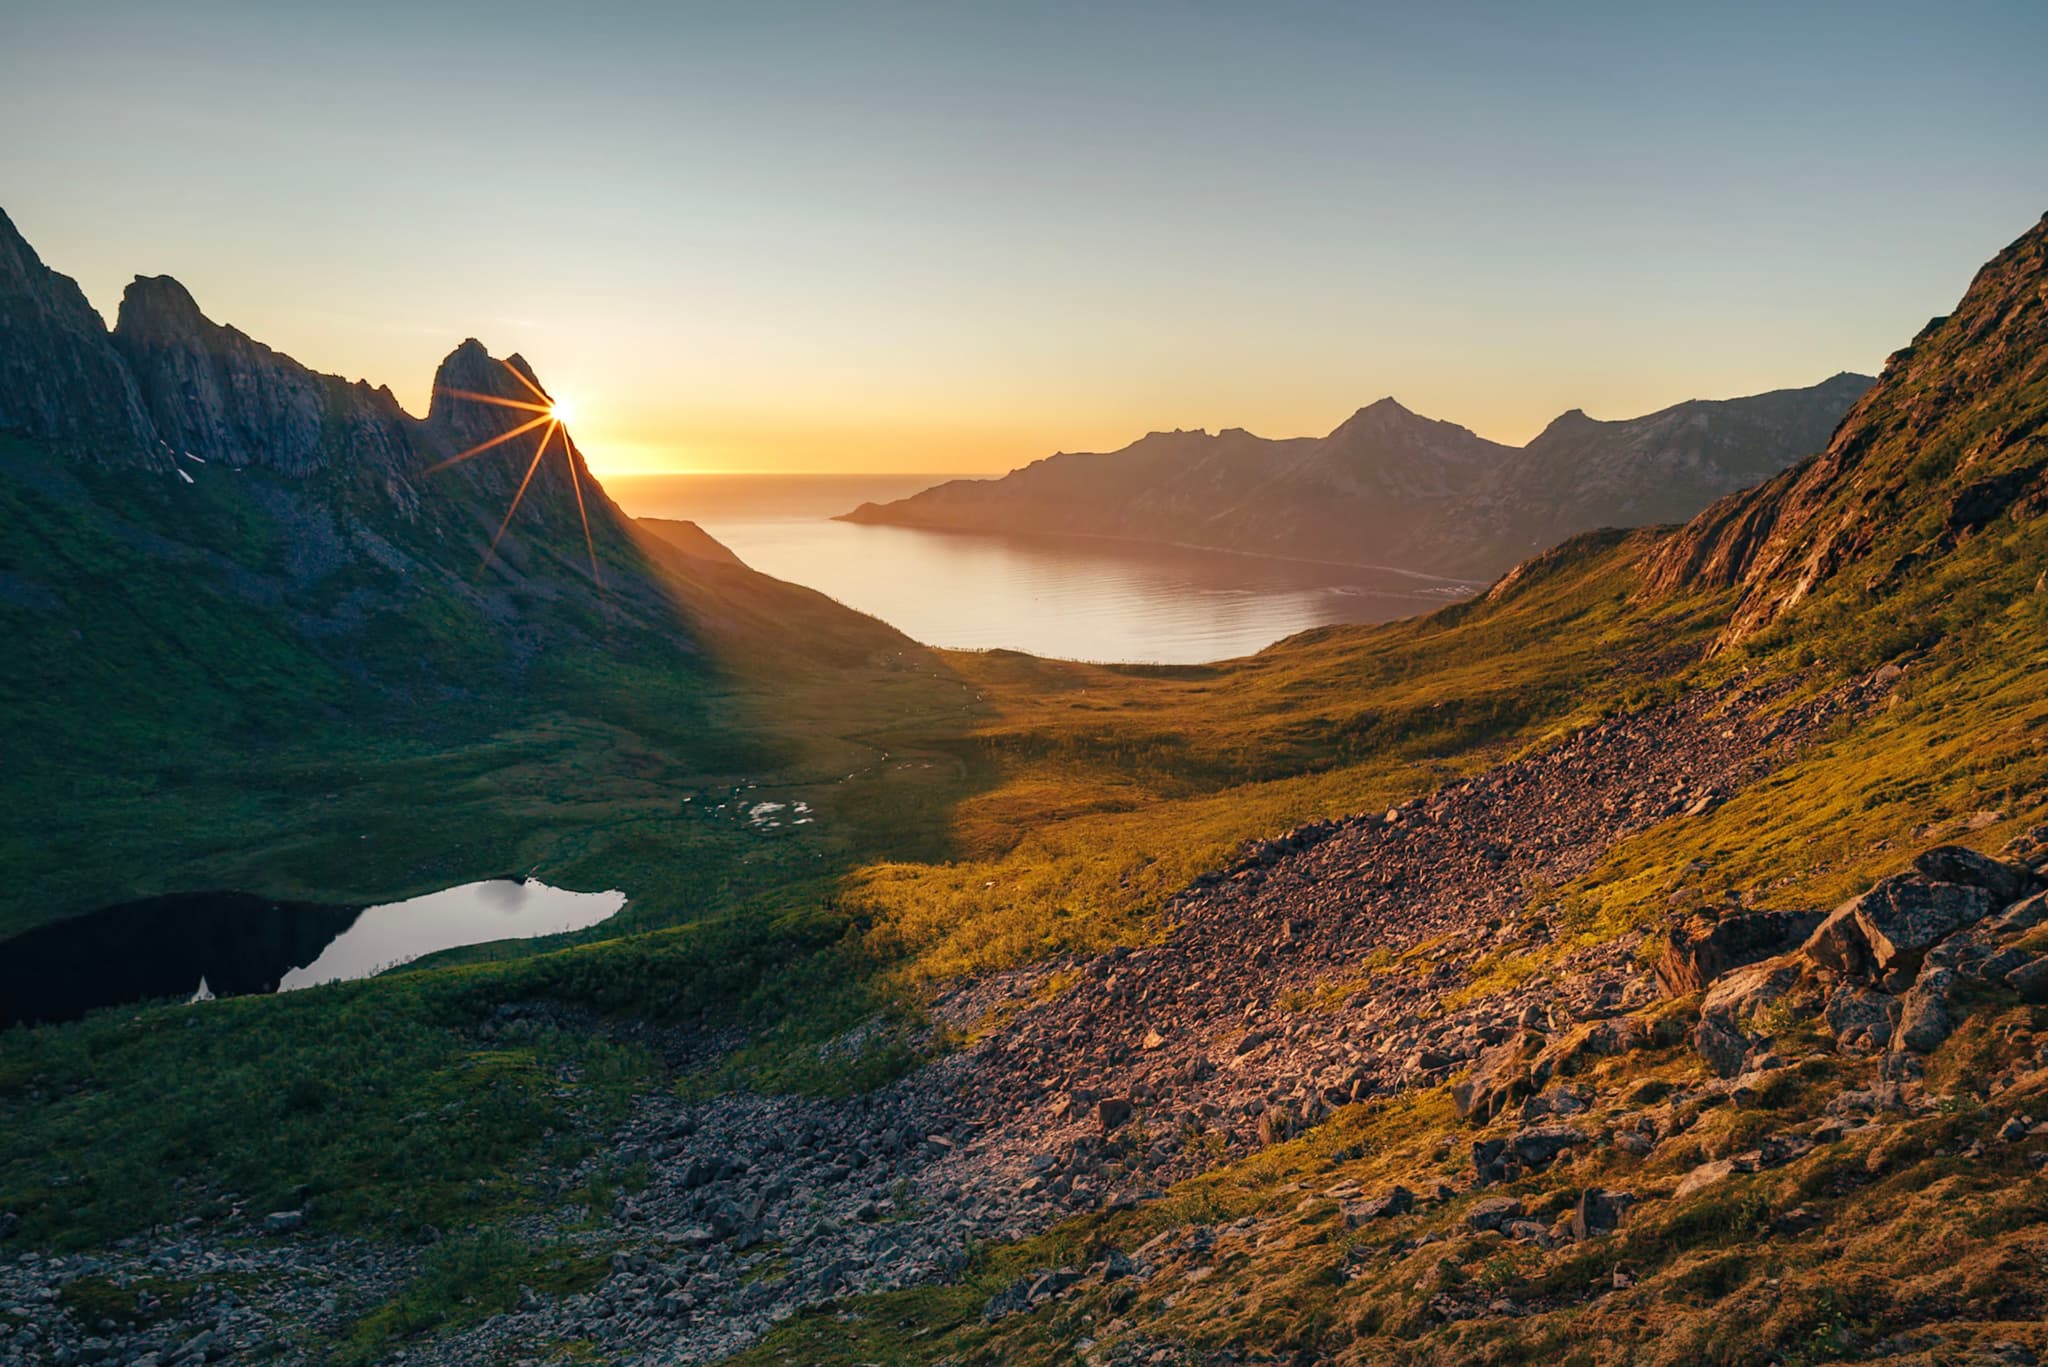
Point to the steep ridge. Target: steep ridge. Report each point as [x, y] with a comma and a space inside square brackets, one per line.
[1664, 467]
[60, 378]
[1389, 487]
[1952, 437]
[207, 549]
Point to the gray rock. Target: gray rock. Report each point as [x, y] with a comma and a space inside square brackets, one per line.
[283, 1221]
[1924, 1019]
[1723, 1047]
[1398, 1201]
[1600, 1212]
[1887, 929]
[1492, 1212]
[1701, 950]
[2030, 980]
[1704, 1176]
[1955, 864]
[1860, 1018]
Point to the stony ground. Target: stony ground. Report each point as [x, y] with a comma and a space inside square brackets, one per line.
[1327, 966]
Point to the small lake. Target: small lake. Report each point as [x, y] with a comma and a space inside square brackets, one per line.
[229, 944]
[1069, 597]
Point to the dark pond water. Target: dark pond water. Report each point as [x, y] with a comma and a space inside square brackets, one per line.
[228, 944]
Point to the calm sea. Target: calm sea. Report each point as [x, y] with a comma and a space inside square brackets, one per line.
[1072, 598]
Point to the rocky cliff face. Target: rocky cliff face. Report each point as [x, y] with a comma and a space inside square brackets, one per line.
[1391, 487]
[216, 393]
[1950, 439]
[61, 381]
[173, 391]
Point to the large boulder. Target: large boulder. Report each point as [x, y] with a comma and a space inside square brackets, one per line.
[1732, 1013]
[1924, 1017]
[1954, 864]
[1704, 948]
[1500, 1076]
[1885, 932]
[1600, 1212]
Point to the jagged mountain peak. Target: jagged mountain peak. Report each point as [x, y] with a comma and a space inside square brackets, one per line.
[471, 369]
[61, 380]
[157, 301]
[215, 392]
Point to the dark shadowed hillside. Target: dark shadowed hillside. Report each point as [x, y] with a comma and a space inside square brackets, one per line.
[256, 614]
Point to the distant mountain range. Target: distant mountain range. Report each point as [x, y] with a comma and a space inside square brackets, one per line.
[1392, 488]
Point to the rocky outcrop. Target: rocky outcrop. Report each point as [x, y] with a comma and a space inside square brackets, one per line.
[61, 380]
[1891, 968]
[1921, 460]
[1880, 935]
[1702, 948]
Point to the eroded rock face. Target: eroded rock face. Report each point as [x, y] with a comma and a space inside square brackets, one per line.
[1702, 949]
[61, 380]
[1955, 864]
[218, 394]
[1885, 931]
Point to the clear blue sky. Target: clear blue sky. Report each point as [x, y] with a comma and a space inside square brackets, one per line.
[956, 236]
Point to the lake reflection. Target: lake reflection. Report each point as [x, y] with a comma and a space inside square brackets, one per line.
[236, 943]
[499, 909]
[1072, 598]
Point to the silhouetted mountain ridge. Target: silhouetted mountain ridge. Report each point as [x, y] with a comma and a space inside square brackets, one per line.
[1389, 486]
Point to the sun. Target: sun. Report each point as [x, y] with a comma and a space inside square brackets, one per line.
[550, 413]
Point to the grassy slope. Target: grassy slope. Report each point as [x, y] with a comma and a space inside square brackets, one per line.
[1958, 754]
[167, 729]
[166, 732]
[1023, 806]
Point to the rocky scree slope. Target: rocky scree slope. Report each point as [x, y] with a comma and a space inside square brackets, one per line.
[1328, 967]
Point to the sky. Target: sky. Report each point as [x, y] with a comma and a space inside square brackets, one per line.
[955, 237]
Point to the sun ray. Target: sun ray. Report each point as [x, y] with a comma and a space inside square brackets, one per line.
[520, 493]
[531, 387]
[576, 481]
[494, 399]
[498, 440]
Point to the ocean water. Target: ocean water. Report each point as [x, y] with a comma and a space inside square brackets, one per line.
[1068, 597]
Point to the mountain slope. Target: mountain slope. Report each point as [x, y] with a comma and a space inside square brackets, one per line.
[1568, 1059]
[251, 609]
[1388, 487]
[1462, 990]
[1954, 441]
